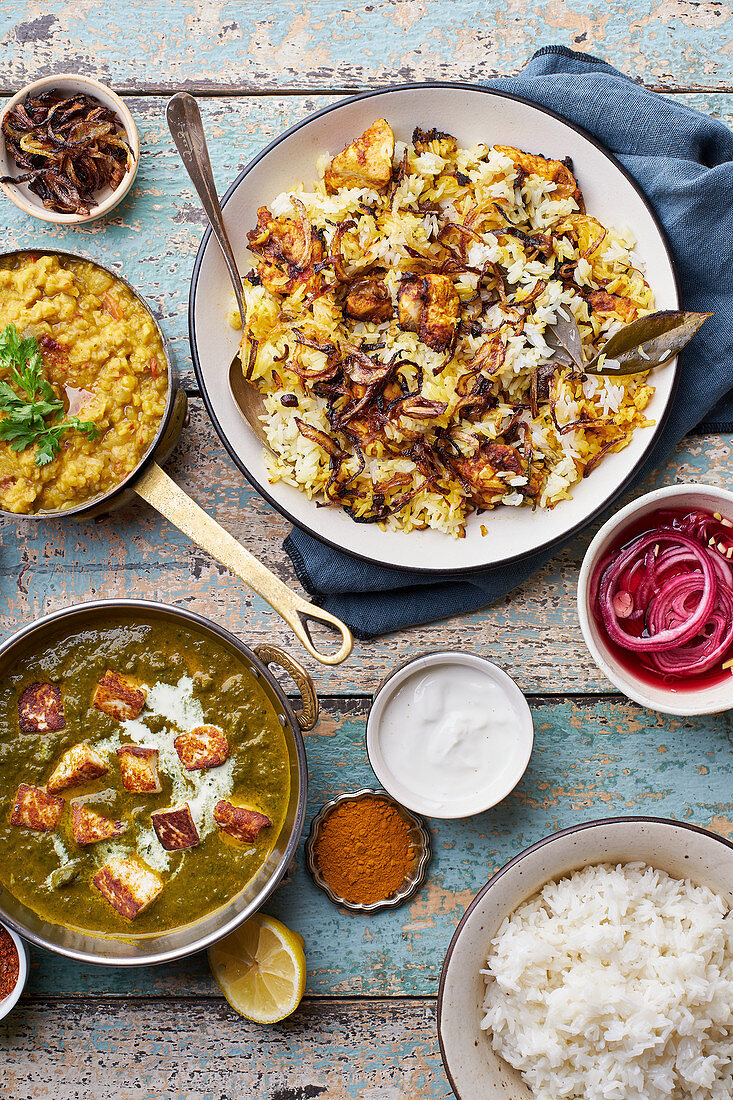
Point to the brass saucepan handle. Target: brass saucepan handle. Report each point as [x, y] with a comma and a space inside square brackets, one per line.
[307, 716]
[158, 489]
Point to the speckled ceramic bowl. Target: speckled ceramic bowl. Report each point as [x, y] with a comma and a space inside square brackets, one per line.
[474, 1070]
[107, 199]
[8, 1003]
[420, 838]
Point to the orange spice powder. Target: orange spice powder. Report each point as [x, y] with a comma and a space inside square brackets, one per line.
[9, 964]
[364, 850]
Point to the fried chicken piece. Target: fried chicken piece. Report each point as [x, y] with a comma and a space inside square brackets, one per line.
[369, 300]
[481, 473]
[429, 306]
[288, 253]
[612, 303]
[558, 172]
[366, 162]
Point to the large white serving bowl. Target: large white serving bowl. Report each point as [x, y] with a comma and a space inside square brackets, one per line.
[472, 114]
[667, 699]
[474, 1069]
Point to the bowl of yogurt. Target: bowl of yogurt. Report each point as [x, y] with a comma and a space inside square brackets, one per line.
[449, 734]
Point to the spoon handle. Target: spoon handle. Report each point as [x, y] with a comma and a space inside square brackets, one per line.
[159, 490]
[187, 129]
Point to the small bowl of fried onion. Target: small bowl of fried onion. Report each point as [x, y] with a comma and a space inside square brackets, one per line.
[655, 599]
[69, 149]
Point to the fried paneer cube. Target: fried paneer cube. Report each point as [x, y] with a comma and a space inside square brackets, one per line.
[175, 827]
[366, 162]
[202, 747]
[139, 769]
[601, 302]
[79, 764]
[481, 474]
[239, 821]
[89, 827]
[429, 306]
[128, 885]
[118, 697]
[558, 172]
[36, 809]
[369, 300]
[41, 708]
[434, 141]
[288, 252]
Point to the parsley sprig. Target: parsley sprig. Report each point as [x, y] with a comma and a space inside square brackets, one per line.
[33, 412]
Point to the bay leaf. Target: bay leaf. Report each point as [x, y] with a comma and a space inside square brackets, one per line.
[563, 337]
[648, 342]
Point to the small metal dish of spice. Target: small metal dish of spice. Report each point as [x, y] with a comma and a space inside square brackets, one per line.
[13, 969]
[69, 149]
[367, 852]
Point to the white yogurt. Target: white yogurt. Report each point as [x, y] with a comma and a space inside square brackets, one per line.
[449, 735]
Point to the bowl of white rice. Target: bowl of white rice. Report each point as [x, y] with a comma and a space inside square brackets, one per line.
[596, 965]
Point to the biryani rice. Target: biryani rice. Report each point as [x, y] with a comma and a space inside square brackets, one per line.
[520, 291]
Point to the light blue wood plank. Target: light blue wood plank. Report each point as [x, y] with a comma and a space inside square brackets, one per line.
[339, 1050]
[323, 44]
[592, 759]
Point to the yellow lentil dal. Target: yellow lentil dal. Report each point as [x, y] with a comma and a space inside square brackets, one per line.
[95, 336]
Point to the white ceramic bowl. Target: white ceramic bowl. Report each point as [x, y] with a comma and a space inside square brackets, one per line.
[474, 1070]
[472, 114]
[507, 773]
[667, 700]
[8, 1004]
[107, 199]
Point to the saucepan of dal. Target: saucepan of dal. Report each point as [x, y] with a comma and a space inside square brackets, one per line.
[153, 780]
[90, 407]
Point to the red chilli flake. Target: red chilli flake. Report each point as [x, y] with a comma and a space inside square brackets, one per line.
[9, 964]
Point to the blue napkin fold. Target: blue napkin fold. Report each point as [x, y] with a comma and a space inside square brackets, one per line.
[683, 162]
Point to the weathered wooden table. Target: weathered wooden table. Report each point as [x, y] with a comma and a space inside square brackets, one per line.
[366, 1027]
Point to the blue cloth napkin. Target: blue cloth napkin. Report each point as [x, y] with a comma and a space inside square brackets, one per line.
[683, 161]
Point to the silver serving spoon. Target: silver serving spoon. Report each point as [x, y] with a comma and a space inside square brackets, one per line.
[187, 129]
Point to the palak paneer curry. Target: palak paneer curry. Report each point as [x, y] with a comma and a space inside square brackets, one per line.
[144, 773]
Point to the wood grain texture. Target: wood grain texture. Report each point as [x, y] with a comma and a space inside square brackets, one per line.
[343, 1050]
[593, 758]
[532, 632]
[324, 44]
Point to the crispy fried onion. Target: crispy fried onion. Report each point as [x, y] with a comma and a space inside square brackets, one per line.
[301, 253]
[329, 445]
[71, 147]
[336, 256]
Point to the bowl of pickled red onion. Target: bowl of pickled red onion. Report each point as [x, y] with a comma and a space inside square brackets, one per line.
[655, 599]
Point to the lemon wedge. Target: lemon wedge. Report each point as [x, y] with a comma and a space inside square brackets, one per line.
[260, 969]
